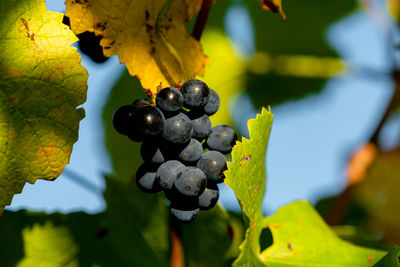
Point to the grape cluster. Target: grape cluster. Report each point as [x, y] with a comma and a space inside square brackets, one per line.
[175, 133]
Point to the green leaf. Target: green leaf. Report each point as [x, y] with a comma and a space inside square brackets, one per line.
[208, 241]
[41, 84]
[132, 230]
[139, 223]
[392, 259]
[42, 246]
[302, 238]
[52, 240]
[299, 235]
[246, 177]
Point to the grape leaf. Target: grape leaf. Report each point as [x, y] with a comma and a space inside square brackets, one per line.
[392, 259]
[42, 245]
[41, 84]
[297, 229]
[212, 228]
[302, 238]
[150, 37]
[246, 177]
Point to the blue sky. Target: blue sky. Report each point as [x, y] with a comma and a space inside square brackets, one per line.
[310, 140]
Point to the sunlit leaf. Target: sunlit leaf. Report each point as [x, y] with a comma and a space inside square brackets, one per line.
[301, 238]
[48, 245]
[299, 235]
[41, 84]
[246, 177]
[148, 36]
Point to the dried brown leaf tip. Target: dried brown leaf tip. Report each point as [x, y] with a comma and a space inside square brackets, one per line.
[273, 6]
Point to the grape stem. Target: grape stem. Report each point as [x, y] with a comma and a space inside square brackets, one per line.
[177, 256]
[202, 19]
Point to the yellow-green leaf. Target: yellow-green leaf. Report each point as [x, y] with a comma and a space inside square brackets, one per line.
[246, 177]
[41, 84]
[48, 246]
[150, 37]
[300, 238]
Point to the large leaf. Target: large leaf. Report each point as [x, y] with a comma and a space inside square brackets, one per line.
[41, 84]
[39, 239]
[300, 237]
[131, 231]
[210, 240]
[42, 246]
[392, 259]
[246, 177]
[150, 37]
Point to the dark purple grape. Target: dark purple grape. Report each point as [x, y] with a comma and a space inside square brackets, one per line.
[213, 103]
[190, 181]
[167, 173]
[146, 178]
[149, 121]
[178, 129]
[151, 152]
[195, 93]
[140, 103]
[185, 209]
[169, 99]
[192, 152]
[209, 198]
[123, 119]
[213, 164]
[201, 127]
[222, 138]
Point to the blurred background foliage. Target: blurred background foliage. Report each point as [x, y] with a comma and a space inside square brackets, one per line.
[282, 62]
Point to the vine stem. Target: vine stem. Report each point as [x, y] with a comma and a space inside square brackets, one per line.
[177, 257]
[202, 19]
